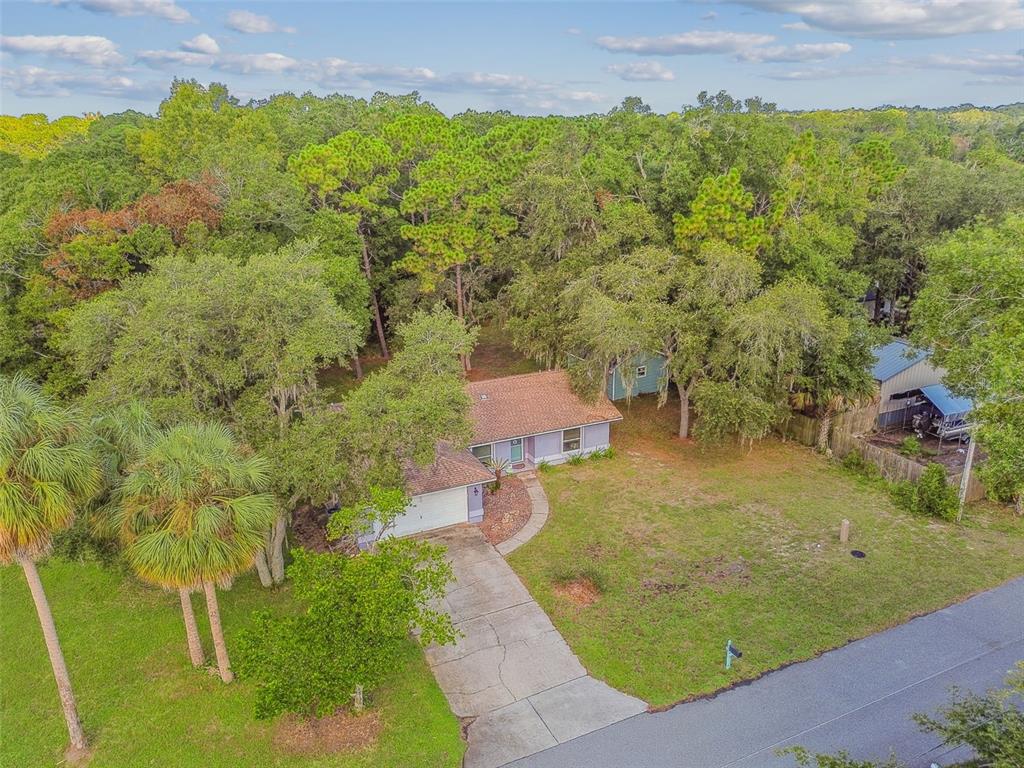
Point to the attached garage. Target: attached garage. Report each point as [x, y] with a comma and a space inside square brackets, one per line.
[433, 510]
[448, 492]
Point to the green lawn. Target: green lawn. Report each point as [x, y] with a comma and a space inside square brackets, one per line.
[143, 705]
[694, 546]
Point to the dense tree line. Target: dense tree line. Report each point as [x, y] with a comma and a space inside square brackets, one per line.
[733, 238]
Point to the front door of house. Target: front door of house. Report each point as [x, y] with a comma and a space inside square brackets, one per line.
[517, 451]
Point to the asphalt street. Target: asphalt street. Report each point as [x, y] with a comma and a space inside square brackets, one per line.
[859, 698]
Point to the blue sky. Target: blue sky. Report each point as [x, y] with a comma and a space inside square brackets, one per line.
[72, 56]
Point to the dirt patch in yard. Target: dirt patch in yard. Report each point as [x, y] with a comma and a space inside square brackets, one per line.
[715, 570]
[309, 528]
[494, 356]
[581, 592]
[506, 510]
[341, 732]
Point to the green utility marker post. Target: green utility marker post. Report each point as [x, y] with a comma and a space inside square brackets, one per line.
[731, 652]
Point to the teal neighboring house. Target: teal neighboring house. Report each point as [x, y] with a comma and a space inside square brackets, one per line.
[647, 370]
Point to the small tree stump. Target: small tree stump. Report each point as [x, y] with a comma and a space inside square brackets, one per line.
[844, 531]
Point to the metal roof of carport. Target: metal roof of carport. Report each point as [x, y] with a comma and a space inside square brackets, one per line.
[892, 359]
[948, 403]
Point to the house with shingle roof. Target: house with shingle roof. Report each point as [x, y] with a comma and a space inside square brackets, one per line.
[534, 418]
[519, 421]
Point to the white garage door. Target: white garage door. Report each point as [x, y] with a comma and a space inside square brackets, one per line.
[433, 510]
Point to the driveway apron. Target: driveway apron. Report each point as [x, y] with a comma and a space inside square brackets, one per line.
[511, 674]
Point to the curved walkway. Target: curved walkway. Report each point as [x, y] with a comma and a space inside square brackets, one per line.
[511, 673]
[538, 515]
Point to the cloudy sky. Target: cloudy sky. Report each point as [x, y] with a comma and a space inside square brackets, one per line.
[72, 56]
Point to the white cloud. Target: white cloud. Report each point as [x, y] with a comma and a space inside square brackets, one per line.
[521, 90]
[831, 73]
[996, 64]
[574, 31]
[43, 83]
[86, 49]
[709, 16]
[254, 24]
[901, 19]
[792, 53]
[995, 80]
[339, 72]
[685, 43]
[641, 70]
[799, 26]
[163, 9]
[239, 63]
[161, 59]
[256, 63]
[201, 43]
[991, 68]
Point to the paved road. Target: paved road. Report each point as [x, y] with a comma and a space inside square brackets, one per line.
[857, 698]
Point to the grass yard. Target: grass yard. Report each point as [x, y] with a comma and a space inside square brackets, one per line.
[143, 705]
[691, 547]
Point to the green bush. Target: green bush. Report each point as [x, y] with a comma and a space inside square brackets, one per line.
[855, 462]
[910, 446]
[544, 466]
[359, 612]
[602, 453]
[575, 460]
[931, 495]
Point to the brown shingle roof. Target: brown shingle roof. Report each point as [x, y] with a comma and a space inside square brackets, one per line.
[530, 404]
[451, 469]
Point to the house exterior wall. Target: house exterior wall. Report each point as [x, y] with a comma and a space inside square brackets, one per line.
[502, 450]
[475, 502]
[596, 436]
[921, 374]
[643, 385]
[547, 447]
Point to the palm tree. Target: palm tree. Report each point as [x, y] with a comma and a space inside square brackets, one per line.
[47, 471]
[192, 515]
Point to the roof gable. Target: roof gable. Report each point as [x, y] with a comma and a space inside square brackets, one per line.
[531, 404]
[451, 469]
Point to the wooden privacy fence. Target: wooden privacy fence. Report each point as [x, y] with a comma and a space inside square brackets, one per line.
[801, 428]
[896, 468]
[857, 421]
[845, 438]
[804, 429]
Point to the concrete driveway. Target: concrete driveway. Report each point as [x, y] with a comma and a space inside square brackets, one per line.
[859, 698]
[511, 673]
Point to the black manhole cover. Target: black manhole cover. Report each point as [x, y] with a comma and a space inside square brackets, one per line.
[857, 553]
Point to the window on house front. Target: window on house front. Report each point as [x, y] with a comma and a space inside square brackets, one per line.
[482, 452]
[570, 440]
[641, 371]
